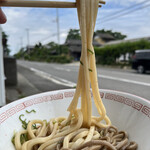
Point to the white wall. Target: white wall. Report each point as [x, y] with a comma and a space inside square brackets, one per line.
[2, 84]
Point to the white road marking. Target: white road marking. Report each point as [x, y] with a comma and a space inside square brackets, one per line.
[72, 84]
[123, 80]
[58, 68]
[56, 80]
[118, 72]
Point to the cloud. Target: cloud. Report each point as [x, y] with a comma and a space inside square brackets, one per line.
[42, 26]
[134, 24]
[63, 35]
[38, 21]
[124, 2]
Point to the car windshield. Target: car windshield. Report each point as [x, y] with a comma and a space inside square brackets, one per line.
[143, 55]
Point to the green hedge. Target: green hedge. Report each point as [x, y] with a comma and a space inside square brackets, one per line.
[109, 54]
[57, 58]
[44, 54]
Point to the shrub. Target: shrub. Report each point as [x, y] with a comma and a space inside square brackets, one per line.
[52, 53]
[59, 59]
[109, 53]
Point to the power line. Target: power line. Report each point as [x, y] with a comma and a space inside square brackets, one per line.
[113, 16]
[58, 30]
[125, 9]
[123, 14]
[50, 36]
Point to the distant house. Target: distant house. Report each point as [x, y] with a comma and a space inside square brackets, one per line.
[127, 40]
[75, 47]
[28, 49]
[51, 46]
[103, 38]
[52, 52]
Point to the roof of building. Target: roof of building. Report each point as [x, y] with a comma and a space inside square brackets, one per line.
[75, 48]
[75, 45]
[127, 40]
[105, 36]
[72, 42]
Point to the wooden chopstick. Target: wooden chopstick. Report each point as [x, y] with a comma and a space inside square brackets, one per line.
[51, 4]
[46, 4]
[102, 2]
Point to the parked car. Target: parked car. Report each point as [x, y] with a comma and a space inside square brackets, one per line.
[141, 61]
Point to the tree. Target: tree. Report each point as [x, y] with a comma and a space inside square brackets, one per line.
[59, 49]
[116, 35]
[20, 54]
[74, 34]
[41, 52]
[5, 45]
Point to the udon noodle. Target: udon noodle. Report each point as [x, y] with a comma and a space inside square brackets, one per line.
[80, 130]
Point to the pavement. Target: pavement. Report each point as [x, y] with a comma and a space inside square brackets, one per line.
[52, 76]
[38, 77]
[29, 83]
[22, 89]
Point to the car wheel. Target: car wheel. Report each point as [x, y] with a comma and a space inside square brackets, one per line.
[141, 69]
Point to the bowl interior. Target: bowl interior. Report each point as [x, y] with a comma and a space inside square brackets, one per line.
[127, 112]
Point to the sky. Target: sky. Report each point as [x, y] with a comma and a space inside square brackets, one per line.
[42, 26]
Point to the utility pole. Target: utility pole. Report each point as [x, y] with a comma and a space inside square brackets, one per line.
[28, 40]
[58, 28]
[21, 42]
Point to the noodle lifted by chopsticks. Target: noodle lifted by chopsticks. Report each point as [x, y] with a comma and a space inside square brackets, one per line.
[80, 130]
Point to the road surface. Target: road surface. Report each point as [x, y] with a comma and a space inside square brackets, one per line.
[47, 77]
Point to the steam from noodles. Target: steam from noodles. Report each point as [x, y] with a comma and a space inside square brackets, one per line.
[80, 130]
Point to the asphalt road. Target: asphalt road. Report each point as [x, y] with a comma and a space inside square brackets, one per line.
[47, 77]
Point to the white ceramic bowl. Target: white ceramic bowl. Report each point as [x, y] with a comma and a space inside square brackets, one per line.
[127, 112]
